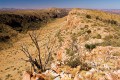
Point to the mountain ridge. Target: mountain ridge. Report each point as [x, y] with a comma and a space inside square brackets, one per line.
[86, 40]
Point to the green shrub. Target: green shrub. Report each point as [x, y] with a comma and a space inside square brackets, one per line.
[86, 26]
[113, 22]
[6, 30]
[60, 38]
[8, 76]
[73, 37]
[109, 37]
[90, 46]
[73, 62]
[88, 16]
[4, 38]
[69, 52]
[97, 18]
[98, 36]
[85, 66]
[89, 31]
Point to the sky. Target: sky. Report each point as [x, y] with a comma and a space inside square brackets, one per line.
[37, 4]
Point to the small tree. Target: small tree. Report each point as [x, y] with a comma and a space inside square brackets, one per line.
[34, 62]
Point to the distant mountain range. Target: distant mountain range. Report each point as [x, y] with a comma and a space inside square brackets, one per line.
[116, 11]
[14, 9]
[8, 9]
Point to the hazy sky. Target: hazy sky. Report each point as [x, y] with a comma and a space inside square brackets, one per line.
[101, 4]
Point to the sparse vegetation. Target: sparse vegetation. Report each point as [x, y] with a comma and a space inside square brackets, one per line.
[36, 64]
[88, 16]
[111, 41]
[73, 62]
[98, 18]
[21, 21]
[112, 22]
[97, 36]
[71, 48]
[86, 26]
[90, 46]
[24, 20]
[6, 33]
[69, 52]
[116, 54]
[8, 76]
[89, 31]
[59, 37]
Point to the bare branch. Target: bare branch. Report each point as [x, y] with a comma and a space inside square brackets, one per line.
[24, 60]
[25, 50]
[35, 41]
[48, 58]
[49, 54]
[34, 63]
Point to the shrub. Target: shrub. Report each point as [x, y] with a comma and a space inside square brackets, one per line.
[8, 76]
[6, 33]
[88, 16]
[69, 52]
[90, 46]
[98, 36]
[86, 26]
[73, 37]
[89, 31]
[110, 42]
[109, 37]
[73, 62]
[85, 67]
[97, 18]
[4, 38]
[116, 54]
[113, 22]
[59, 36]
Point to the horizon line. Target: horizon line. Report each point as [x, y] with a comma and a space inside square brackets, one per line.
[62, 8]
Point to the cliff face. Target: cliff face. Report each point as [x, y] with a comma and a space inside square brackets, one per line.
[22, 20]
[19, 21]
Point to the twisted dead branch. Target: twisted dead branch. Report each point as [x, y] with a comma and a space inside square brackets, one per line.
[34, 62]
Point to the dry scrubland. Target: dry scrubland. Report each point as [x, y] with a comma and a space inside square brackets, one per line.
[86, 40]
[20, 21]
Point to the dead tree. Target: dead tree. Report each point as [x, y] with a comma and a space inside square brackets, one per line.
[34, 62]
